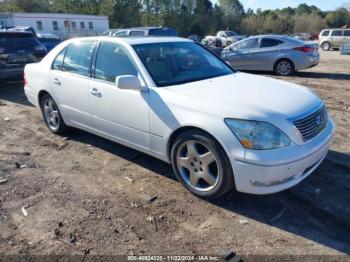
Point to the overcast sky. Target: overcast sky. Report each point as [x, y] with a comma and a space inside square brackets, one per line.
[273, 4]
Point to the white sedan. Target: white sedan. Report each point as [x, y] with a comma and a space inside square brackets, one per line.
[172, 99]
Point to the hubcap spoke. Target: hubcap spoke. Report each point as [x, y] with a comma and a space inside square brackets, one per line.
[185, 162]
[209, 178]
[191, 149]
[194, 179]
[207, 158]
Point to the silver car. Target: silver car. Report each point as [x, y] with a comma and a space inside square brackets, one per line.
[279, 54]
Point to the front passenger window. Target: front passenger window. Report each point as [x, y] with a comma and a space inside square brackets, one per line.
[78, 58]
[112, 60]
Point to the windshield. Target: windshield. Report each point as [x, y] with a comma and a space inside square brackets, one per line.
[231, 33]
[180, 62]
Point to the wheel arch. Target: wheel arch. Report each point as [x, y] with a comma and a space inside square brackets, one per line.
[175, 134]
[41, 95]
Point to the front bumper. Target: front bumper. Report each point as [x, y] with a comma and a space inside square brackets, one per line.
[271, 171]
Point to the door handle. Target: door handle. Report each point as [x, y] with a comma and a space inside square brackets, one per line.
[56, 82]
[95, 92]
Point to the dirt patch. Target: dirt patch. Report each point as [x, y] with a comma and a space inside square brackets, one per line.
[86, 193]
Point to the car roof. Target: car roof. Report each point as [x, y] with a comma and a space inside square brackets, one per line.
[137, 40]
[336, 29]
[268, 36]
[15, 33]
[145, 28]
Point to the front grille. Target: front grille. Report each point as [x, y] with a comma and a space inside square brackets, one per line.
[313, 124]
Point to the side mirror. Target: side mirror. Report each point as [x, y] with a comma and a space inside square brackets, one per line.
[128, 82]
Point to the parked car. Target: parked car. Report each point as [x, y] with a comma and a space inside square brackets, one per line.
[195, 38]
[174, 100]
[334, 38]
[28, 29]
[146, 31]
[16, 50]
[225, 37]
[279, 54]
[110, 32]
[49, 40]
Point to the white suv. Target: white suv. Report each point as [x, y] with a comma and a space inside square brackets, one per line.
[334, 38]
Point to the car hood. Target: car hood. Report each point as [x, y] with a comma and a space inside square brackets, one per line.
[243, 96]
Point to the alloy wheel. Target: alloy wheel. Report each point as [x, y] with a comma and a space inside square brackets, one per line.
[51, 114]
[326, 46]
[284, 68]
[197, 165]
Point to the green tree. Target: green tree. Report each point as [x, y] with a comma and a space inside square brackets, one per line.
[338, 18]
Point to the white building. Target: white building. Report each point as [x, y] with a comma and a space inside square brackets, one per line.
[63, 25]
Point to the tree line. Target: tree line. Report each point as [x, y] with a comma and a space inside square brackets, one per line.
[199, 17]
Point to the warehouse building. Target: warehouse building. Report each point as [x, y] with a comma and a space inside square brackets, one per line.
[62, 25]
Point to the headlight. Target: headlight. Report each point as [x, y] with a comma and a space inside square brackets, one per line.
[257, 134]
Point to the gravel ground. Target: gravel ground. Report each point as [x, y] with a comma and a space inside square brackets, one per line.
[86, 195]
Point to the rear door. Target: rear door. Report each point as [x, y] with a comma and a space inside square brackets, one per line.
[336, 38]
[346, 39]
[70, 82]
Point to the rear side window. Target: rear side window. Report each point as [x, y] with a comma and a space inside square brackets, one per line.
[269, 42]
[137, 33]
[122, 33]
[58, 63]
[78, 58]
[347, 33]
[112, 60]
[337, 33]
[325, 33]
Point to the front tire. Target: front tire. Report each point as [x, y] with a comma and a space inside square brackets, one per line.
[201, 165]
[284, 67]
[52, 116]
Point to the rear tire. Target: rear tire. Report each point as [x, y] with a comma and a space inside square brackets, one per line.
[326, 46]
[284, 67]
[201, 165]
[52, 116]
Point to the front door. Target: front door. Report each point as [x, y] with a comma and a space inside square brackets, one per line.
[241, 55]
[118, 113]
[70, 82]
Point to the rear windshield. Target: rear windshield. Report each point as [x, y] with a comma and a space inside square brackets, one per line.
[18, 41]
[163, 32]
[49, 40]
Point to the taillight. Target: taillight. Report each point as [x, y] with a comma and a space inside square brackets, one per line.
[304, 49]
[24, 79]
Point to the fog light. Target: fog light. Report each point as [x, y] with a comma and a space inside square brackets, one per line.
[271, 183]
